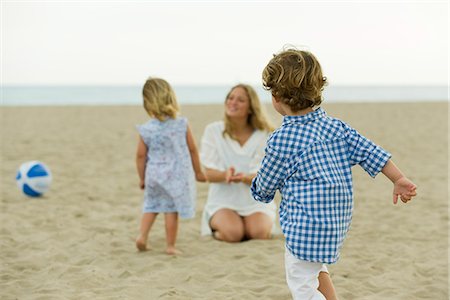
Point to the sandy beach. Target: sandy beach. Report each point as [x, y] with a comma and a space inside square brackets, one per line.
[77, 242]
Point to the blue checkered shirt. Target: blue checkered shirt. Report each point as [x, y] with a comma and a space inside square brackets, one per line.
[309, 159]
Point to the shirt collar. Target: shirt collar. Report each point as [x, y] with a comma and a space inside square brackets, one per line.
[318, 113]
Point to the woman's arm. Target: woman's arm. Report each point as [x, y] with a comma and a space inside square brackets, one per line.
[247, 179]
[217, 176]
[228, 176]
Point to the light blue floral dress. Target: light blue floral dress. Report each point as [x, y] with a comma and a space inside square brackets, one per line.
[169, 176]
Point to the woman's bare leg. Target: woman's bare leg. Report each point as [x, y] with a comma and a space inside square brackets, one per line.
[171, 220]
[228, 226]
[326, 286]
[147, 221]
[258, 226]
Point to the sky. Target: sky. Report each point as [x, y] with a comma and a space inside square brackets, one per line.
[221, 43]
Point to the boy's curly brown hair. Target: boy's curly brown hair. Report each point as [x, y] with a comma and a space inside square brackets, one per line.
[295, 78]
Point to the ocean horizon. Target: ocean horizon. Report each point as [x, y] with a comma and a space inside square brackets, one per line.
[206, 94]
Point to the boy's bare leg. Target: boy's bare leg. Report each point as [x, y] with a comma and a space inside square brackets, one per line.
[326, 286]
[146, 224]
[171, 220]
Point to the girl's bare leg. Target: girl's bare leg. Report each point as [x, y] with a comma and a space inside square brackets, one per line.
[146, 224]
[326, 286]
[171, 220]
[227, 225]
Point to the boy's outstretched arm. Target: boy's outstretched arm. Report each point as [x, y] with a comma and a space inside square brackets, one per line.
[403, 187]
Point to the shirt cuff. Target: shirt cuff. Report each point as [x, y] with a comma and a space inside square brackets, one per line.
[376, 161]
[258, 195]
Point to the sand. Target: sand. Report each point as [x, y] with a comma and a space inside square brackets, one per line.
[77, 242]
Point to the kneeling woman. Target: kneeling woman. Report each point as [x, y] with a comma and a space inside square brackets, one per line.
[231, 152]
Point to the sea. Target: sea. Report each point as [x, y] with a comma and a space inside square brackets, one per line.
[132, 95]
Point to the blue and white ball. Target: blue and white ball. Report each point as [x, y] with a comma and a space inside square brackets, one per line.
[33, 178]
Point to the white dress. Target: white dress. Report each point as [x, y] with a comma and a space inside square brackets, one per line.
[220, 153]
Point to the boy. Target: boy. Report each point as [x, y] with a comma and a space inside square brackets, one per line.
[309, 159]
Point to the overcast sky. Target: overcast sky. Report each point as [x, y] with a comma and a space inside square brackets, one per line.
[402, 43]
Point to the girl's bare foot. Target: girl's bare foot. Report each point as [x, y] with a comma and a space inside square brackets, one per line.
[171, 250]
[141, 243]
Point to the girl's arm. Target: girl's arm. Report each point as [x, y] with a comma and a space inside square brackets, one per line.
[141, 160]
[199, 176]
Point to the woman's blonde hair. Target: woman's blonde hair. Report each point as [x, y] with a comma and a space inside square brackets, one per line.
[257, 117]
[159, 99]
[295, 78]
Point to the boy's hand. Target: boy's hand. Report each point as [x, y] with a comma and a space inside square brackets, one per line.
[404, 188]
[141, 184]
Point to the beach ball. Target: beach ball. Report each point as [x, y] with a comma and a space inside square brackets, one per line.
[33, 178]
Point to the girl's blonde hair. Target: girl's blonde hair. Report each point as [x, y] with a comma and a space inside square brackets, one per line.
[257, 117]
[295, 78]
[159, 99]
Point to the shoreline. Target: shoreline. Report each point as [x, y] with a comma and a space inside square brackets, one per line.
[350, 102]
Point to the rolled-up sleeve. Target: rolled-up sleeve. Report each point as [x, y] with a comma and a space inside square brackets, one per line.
[371, 157]
[270, 176]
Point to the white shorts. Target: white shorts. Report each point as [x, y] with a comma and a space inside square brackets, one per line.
[303, 277]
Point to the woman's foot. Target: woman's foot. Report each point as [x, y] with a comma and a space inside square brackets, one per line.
[217, 235]
[141, 243]
[171, 250]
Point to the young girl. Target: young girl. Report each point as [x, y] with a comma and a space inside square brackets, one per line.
[166, 158]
